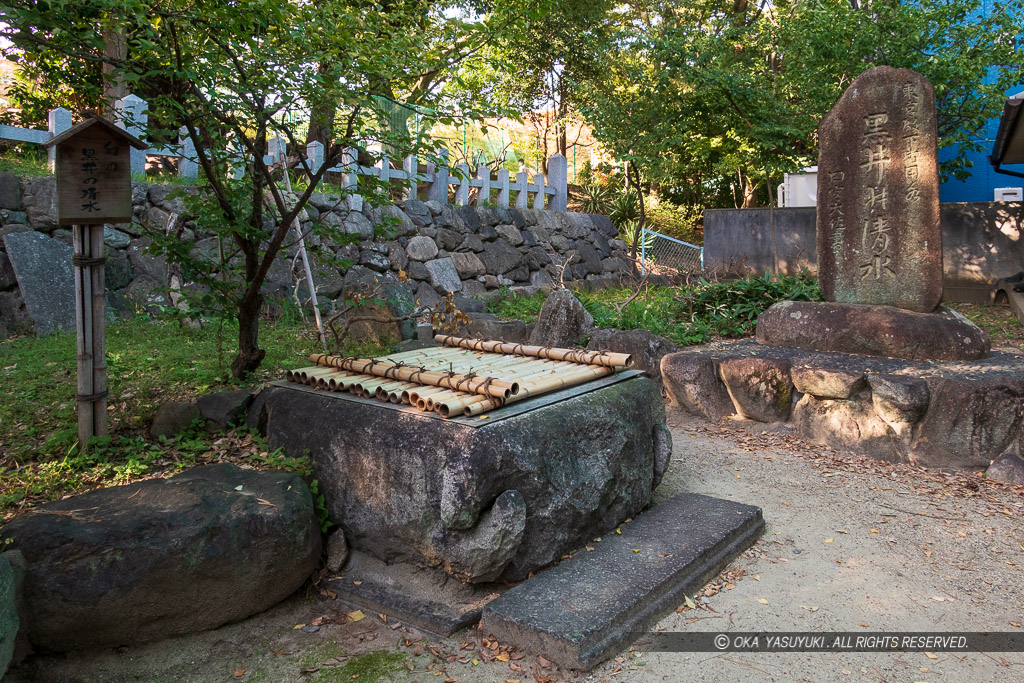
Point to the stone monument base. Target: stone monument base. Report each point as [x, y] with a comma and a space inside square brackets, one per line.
[950, 414]
[485, 498]
[871, 330]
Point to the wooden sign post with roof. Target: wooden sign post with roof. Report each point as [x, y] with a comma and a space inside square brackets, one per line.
[94, 186]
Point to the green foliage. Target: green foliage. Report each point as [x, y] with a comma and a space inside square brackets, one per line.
[687, 315]
[511, 306]
[595, 198]
[147, 363]
[625, 208]
[714, 102]
[30, 163]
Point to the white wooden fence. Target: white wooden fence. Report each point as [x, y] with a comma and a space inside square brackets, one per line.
[493, 189]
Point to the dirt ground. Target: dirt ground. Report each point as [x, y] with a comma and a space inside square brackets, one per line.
[851, 545]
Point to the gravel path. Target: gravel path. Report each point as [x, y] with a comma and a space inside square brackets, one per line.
[851, 545]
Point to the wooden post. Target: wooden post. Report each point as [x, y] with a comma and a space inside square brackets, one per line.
[94, 186]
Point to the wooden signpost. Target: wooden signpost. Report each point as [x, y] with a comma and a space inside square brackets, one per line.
[94, 186]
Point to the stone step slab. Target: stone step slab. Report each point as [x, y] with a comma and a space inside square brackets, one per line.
[590, 606]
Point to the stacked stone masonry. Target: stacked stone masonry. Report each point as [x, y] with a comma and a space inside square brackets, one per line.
[440, 248]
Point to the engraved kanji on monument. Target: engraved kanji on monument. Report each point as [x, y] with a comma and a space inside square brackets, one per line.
[879, 239]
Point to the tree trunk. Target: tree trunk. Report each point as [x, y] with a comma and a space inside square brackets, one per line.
[250, 355]
[321, 117]
[115, 49]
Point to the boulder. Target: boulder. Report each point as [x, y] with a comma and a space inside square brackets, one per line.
[443, 275]
[449, 239]
[115, 239]
[760, 387]
[872, 330]
[337, 550]
[397, 223]
[374, 260]
[470, 217]
[468, 265]
[421, 248]
[482, 555]
[224, 408]
[385, 321]
[358, 224]
[43, 268]
[146, 293]
[164, 557]
[511, 234]
[10, 198]
[897, 398]
[117, 272]
[173, 417]
[847, 425]
[7, 278]
[325, 202]
[487, 326]
[471, 243]
[418, 212]
[827, 382]
[646, 348]
[562, 322]
[9, 622]
[160, 195]
[968, 424]
[39, 200]
[14, 315]
[1008, 467]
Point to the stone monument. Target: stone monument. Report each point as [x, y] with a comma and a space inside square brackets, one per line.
[879, 239]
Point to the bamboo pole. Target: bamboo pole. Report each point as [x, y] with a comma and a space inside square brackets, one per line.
[536, 388]
[480, 385]
[99, 333]
[571, 355]
[83, 334]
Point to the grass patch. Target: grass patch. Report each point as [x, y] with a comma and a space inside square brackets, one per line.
[26, 164]
[687, 315]
[367, 668]
[999, 322]
[148, 363]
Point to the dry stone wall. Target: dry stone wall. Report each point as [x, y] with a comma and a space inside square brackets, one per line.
[440, 248]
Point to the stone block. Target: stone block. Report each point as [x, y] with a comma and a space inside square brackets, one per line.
[443, 275]
[10, 198]
[760, 388]
[691, 381]
[879, 240]
[1008, 467]
[412, 487]
[39, 201]
[421, 248]
[847, 425]
[872, 331]
[9, 621]
[827, 383]
[43, 269]
[594, 604]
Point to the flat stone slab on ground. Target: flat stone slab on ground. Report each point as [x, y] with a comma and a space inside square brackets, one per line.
[593, 604]
[43, 267]
[428, 599]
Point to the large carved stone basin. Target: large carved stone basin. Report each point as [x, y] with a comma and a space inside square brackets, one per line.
[485, 498]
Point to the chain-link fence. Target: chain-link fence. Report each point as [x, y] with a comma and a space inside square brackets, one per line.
[664, 255]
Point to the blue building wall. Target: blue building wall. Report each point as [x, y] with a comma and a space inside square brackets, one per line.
[983, 181]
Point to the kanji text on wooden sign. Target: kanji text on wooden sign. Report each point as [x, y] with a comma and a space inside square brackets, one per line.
[94, 181]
